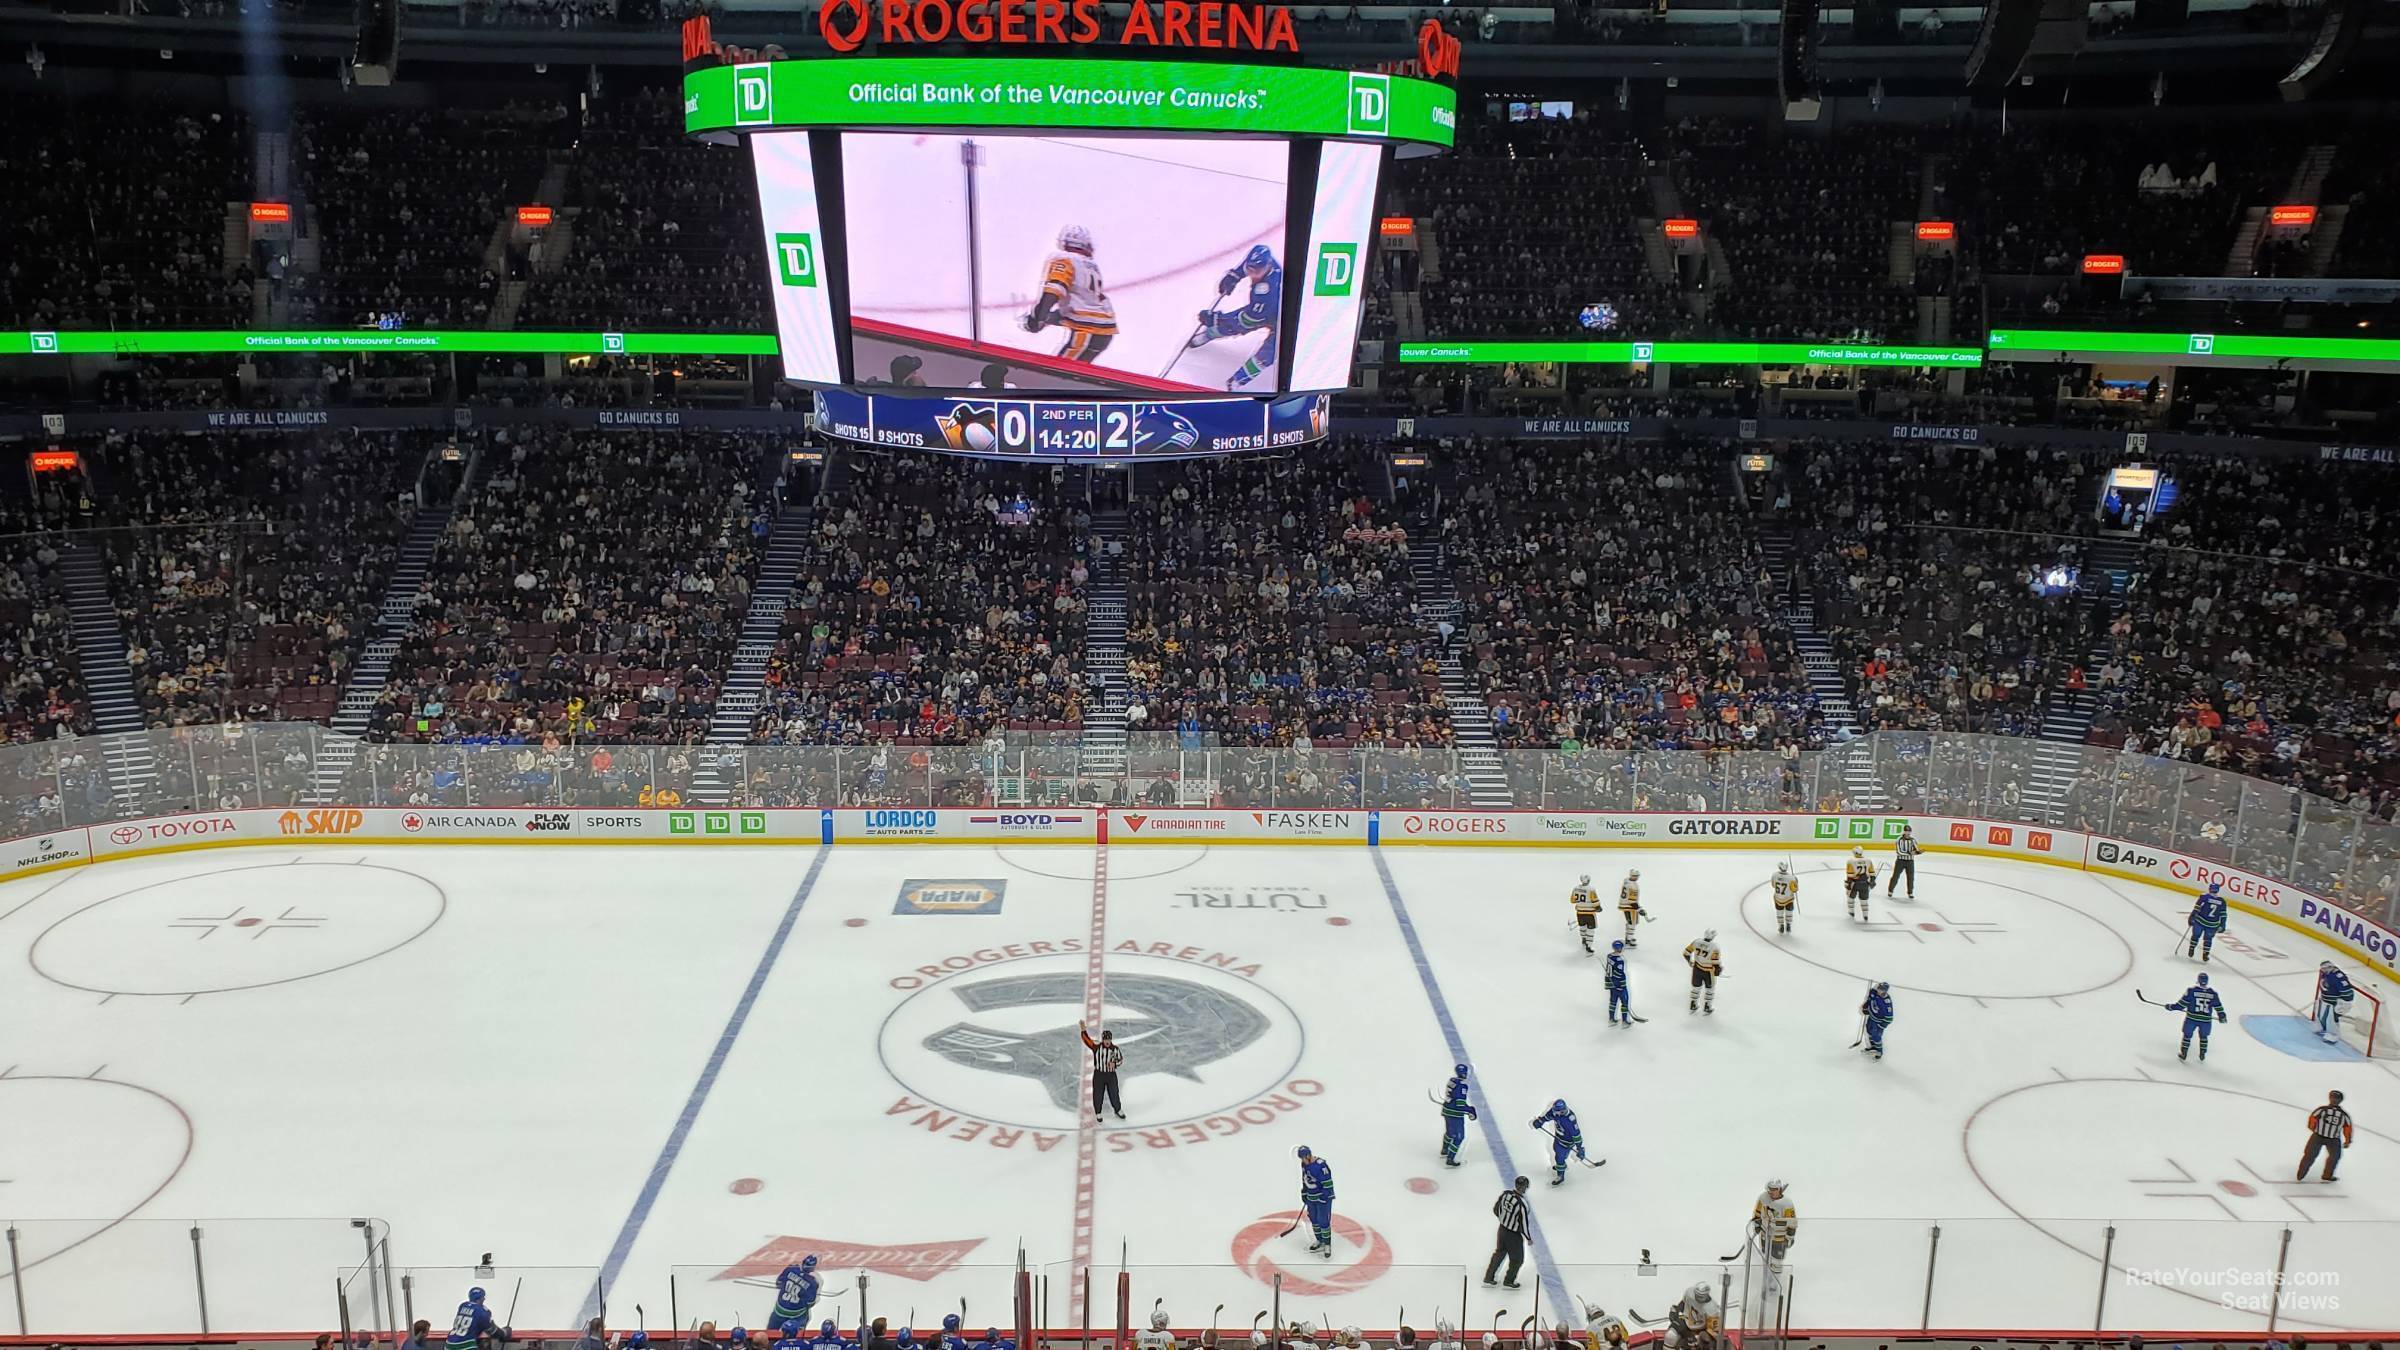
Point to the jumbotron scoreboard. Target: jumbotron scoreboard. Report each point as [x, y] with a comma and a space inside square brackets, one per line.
[1084, 241]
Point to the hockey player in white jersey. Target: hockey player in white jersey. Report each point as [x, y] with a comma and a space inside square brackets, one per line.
[1586, 900]
[1629, 904]
[1074, 298]
[1774, 1223]
[1157, 1337]
[1445, 1336]
[1787, 895]
[1606, 1329]
[1707, 964]
[1696, 1321]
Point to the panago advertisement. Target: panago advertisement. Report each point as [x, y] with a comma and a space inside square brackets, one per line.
[2278, 901]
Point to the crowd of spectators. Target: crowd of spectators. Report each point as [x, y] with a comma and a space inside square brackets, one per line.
[665, 230]
[1618, 598]
[406, 203]
[247, 568]
[1806, 226]
[1271, 603]
[41, 686]
[1930, 574]
[116, 217]
[941, 603]
[590, 587]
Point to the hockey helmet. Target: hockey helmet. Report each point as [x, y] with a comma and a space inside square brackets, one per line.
[1490, 1341]
[1559, 1105]
[1633, 874]
[2202, 979]
[825, 1328]
[1775, 1183]
[1784, 868]
[2334, 1096]
[1617, 946]
[1709, 936]
[1442, 1328]
[949, 1321]
[740, 1336]
[475, 1295]
[1258, 256]
[1075, 239]
[2215, 886]
[1305, 1153]
[1584, 880]
[1304, 1327]
[638, 1338]
[791, 1328]
[1883, 986]
[1700, 1294]
[1158, 1319]
[1350, 1335]
[2324, 965]
[1857, 852]
[808, 1262]
[1459, 1069]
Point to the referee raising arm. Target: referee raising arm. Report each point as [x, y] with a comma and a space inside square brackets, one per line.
[2328, 1133]
[1106, 1060]
[1509, 1209]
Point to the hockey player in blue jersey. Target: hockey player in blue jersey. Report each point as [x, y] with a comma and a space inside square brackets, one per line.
[471, 1323]
[1262, 312]
[795, 1293]
[1877, 1010]
[1456, 1112]
[2335, 993]
[1316, 1200]
[829, 1337]
[2208, 920]
[1565, 1138]
[1620, 990]
[791, 1336]
[951, 1338]
[2200, 1007]
[993, 1340]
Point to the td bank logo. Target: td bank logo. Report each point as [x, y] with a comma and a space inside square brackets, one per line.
[752, 104]
[45, 342]
[1337, 269]
[717, 822]
[1370, 104]
[796, 259]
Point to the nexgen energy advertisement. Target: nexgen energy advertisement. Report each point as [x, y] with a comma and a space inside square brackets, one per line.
[787, 213]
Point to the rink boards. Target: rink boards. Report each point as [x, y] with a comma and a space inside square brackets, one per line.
[2357, 937]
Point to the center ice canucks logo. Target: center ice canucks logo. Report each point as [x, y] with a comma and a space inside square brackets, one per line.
[1182, 1028]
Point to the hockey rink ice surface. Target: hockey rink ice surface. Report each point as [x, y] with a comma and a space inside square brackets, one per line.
[640, 1064]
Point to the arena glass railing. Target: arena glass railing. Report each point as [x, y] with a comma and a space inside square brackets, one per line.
[2334, 849]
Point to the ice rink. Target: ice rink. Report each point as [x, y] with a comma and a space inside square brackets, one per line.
[670, 1069]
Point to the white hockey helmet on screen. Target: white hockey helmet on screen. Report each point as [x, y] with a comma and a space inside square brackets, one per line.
[1075, 239]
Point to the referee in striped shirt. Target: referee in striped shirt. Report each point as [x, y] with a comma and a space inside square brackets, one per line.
[1904, 859]
[1509, 1209]
[1106, 1060]
[2328, 1133]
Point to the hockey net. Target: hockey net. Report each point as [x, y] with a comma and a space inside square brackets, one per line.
[2367, 1030]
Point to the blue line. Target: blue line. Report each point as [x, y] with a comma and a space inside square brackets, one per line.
[657, 1179]
[1545, 1266]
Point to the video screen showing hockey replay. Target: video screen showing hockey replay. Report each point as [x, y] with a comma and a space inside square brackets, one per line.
[1093, 264]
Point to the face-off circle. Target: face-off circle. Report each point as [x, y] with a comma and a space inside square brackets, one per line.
[1368, 1253]
[234, 928]
[96, 1148]
[998, 1041]
[2198, 1183]
[1963, 936]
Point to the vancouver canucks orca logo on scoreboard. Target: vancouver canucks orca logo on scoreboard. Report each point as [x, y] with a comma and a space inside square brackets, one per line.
[992, 1035]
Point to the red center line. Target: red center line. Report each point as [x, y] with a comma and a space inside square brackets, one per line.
[1087, 1131]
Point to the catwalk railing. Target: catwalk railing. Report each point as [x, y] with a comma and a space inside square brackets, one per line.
[2018, 1276]
[2332, 849]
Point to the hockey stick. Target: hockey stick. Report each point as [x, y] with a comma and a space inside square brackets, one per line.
[1212, 1325]
[1255, 1337]
[1553, 1138]
[2151, 1001]
[1287, 1228]
[512, 1304]
[1862, 1030]
[1748, 1237]
[1522, 1328]
[1635, 1315]
[639, 1317]
[1496, 1323]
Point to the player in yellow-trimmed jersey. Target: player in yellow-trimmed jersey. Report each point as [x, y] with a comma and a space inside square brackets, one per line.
[1695, 1322]
[1858, 876]
[1629, 904]
[1605, 1329]
[1074, 298]
[1586, 899]
[1707, 962]
[1774, 1224]
[1787, 895]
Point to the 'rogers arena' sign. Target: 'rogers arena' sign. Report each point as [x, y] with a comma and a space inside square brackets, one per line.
[1209, 25]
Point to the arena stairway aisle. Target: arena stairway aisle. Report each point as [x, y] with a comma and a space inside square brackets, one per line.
[1438, 604]
[2067, 717]
[107, 676]
[1103, 747]
[738, 698]
[1859, 784]
[365, 686]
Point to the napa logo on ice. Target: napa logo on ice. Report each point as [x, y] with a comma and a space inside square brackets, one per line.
[980, 895]
[887, 821]
[795, 258]
[1337, 269]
